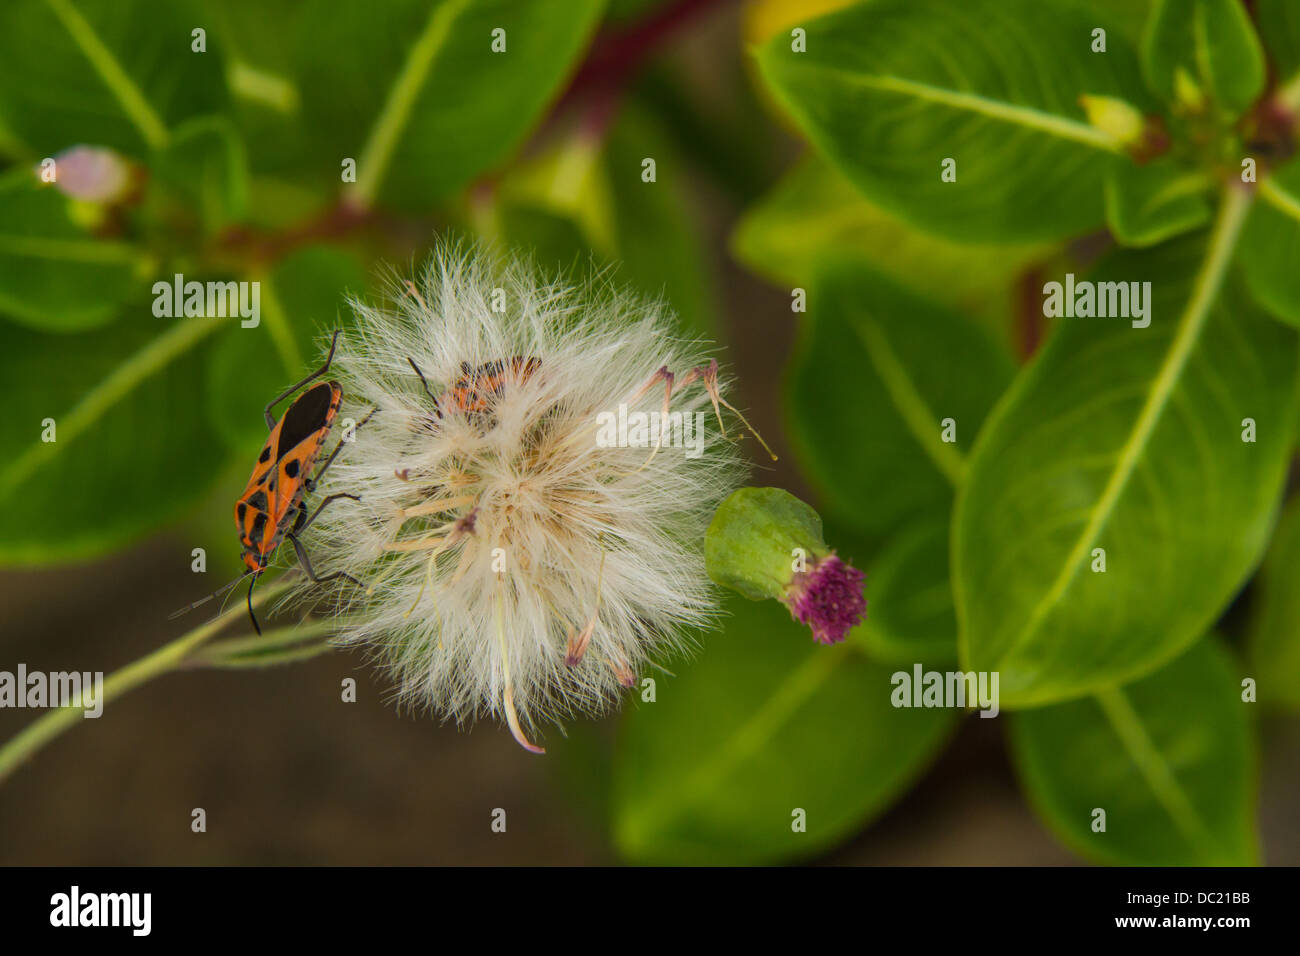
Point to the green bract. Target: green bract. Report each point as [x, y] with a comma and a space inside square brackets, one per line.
[758, 537]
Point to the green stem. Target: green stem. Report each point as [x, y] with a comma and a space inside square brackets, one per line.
[285, 655]
[270, 640]
[167, 658]
[277, 323]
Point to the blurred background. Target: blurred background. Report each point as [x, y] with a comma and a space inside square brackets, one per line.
[98, 548]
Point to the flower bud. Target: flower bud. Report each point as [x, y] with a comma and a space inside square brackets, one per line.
[1121, 120]
[766, 543]
[1187, 92]
[92, 174]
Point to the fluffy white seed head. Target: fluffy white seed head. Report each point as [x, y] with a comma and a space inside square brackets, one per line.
[511, 564]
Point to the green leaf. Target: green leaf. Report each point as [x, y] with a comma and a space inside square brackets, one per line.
[1171, 759]
[762, 724]
[1270, 245]
[262, 42]
[1213, 43]
[910, 614]
[581, 202]
[871, 382]
[303, 299]
[53, 274]
[202, 171]
[658, 243]
[413, 91]
[131, 453]
[1129, 17]
[1150, 203]
[888, 90]
[1275, 617]
[115, 73]
[1127, 440]
[814, 213]
[1279, 28]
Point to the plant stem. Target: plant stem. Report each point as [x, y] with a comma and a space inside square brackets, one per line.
[277, 323]
[166, 658]
[270, 640]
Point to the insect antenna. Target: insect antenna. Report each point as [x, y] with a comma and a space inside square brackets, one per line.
[204, 600]
[253, 617]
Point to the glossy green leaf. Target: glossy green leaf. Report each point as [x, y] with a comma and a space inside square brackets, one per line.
[888, 90]
[1213, 43]
[910, 614]
[412, 90]
[1171, 759]
[1127, 440]
[1147, 204]
[762, 724]
[54, 274]
[1270, 245]
[1275, 617]
[202, 174]
[814, 212]
[303, 300]
[117, 73]
[130, 452]
[870, 385]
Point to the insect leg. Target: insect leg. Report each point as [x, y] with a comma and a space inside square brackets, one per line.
[270, 420]
[303, 522]
[433, 398]
[310, 483]
[306, 565]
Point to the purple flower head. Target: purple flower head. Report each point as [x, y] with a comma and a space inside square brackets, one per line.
[828, 598]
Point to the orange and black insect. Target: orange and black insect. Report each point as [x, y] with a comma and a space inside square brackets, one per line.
[477, 388]
[271, 508]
